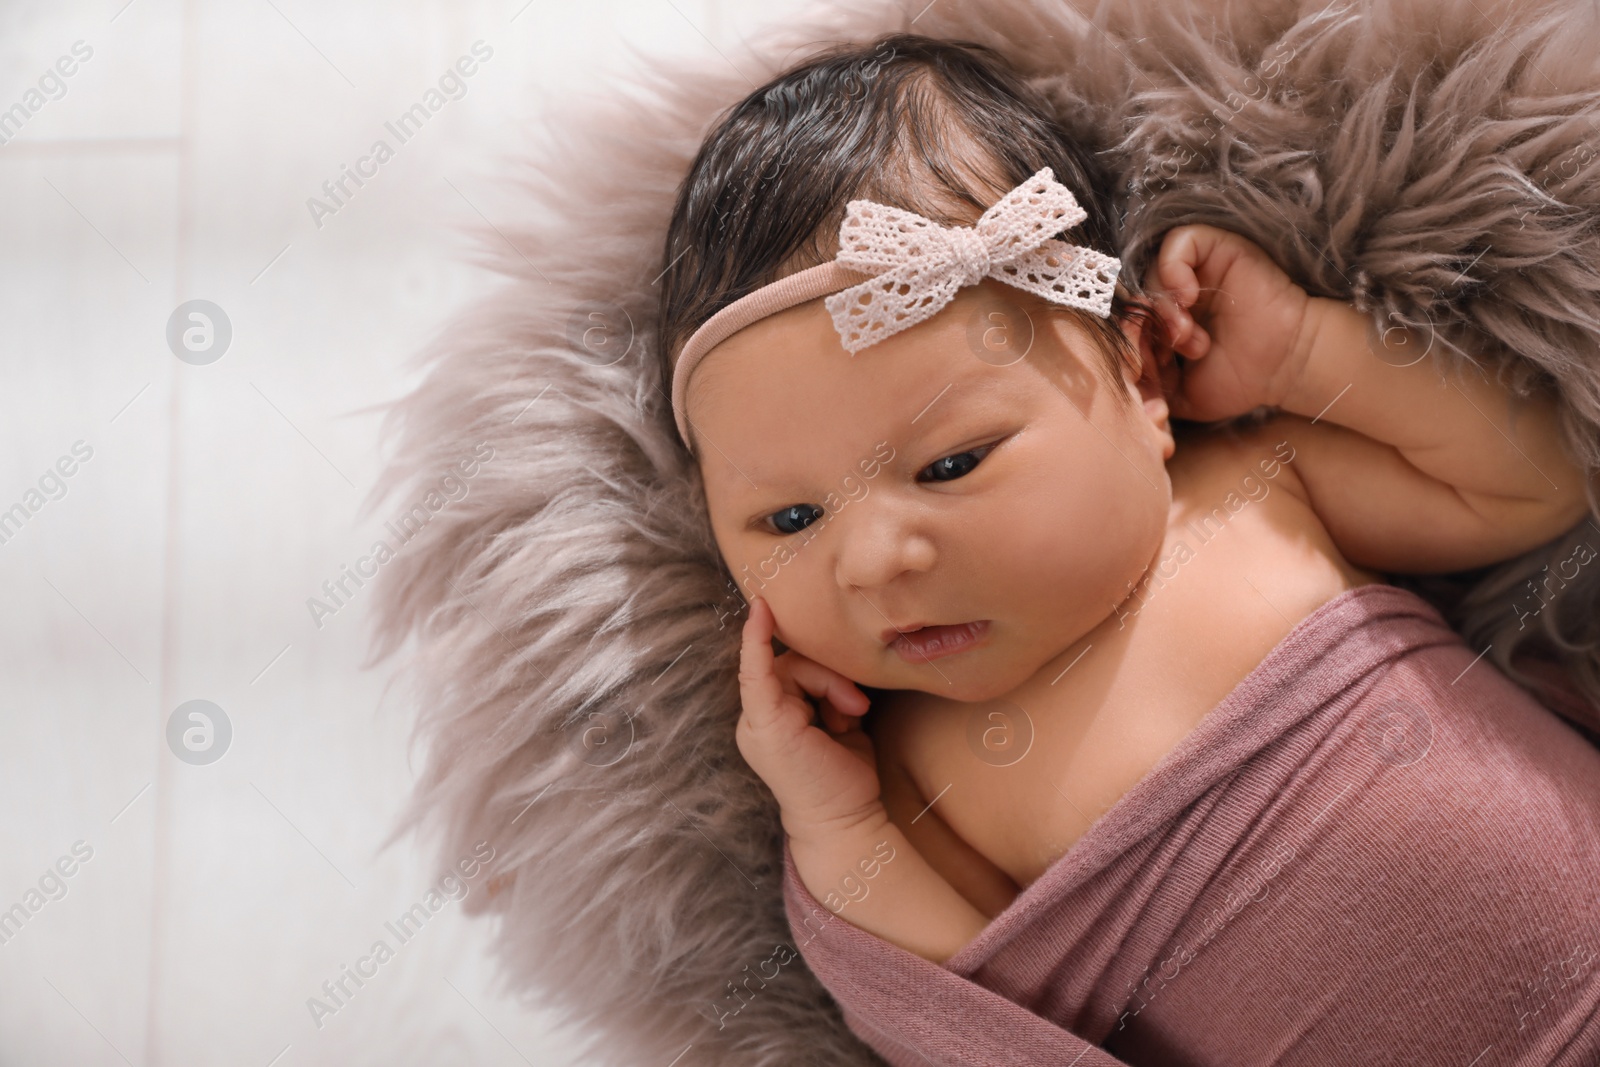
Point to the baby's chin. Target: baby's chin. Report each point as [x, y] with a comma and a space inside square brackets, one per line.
[963, 685]
[970, 677]
[993, 671]
[989, 671]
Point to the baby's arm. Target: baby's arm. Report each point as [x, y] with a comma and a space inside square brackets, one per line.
[846, 850]
[1411, 472]
[901, 898]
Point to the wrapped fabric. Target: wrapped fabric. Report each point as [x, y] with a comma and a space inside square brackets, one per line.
[1376, 849]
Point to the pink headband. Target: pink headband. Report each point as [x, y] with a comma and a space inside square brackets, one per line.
[897, 269]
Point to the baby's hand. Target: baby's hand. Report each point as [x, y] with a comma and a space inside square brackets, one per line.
[823, 783]
[1235, 315]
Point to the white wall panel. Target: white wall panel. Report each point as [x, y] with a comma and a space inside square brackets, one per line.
[175, 562]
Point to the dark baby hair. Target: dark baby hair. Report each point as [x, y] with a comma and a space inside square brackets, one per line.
[911, 121]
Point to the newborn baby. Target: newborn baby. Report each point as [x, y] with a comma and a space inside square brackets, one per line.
[1098, 737]
[1039, 562]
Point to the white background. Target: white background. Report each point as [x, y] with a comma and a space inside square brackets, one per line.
[218, 499]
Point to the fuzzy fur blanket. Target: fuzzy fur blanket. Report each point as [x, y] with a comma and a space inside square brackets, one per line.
[571, 637]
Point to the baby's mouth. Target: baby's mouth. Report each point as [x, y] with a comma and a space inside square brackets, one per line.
[931, 642]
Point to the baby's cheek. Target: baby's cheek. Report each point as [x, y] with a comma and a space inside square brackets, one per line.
[1079, 550]
[814, 621]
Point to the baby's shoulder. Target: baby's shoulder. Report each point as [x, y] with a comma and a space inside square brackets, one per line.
[1248, 459]
[1243, 512]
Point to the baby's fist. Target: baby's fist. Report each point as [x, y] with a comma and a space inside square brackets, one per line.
[1234, 315]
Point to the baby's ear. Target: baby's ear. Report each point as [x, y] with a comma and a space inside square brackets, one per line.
[1156, 374]
[1146, 363]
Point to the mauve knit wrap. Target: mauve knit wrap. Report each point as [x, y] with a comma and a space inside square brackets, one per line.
[1376, 850]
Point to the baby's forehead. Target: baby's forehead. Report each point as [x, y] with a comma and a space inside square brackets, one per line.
[793, 362]
[783, 396]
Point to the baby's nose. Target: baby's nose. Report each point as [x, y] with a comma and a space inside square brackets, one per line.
[881, 545]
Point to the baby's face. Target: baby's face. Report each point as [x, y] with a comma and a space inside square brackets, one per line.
[917, 484]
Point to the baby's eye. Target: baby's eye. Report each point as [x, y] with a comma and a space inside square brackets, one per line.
[955, 466]
[795, 518]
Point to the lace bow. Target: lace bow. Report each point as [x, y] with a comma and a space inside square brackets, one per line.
[920, 264]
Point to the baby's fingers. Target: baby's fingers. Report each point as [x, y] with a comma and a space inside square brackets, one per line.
[760, 690]
[1176, 264]
[1181, 327]
[819, 681]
